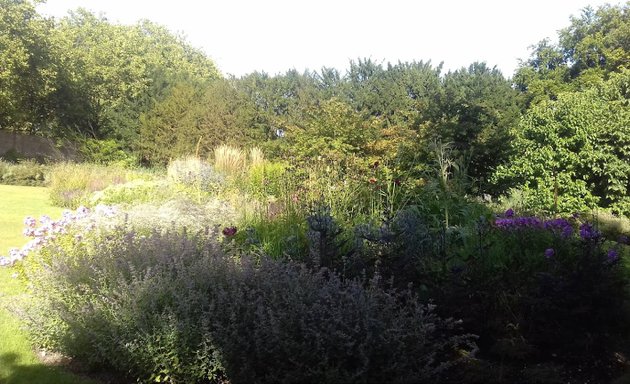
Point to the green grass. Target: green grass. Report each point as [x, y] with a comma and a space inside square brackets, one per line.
[18, 362]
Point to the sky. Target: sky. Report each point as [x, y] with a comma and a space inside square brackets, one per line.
[243, 36]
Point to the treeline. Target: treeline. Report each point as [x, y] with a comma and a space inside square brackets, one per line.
[557, 133]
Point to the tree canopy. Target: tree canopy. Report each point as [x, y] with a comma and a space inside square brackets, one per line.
[557, 130]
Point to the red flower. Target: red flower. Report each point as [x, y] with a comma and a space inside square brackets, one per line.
[229, 231]
[373, 180]
[397, 182]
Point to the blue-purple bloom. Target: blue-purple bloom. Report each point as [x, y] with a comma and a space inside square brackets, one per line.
[509, 213]
[549, 252]
[613, 255]
[518, 222]
[623, 239]
[49, 229]
[30, 222]
[588, 232]
[561, 226]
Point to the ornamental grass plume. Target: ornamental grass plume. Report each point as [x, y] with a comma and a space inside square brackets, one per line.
[256, 156]
[229, 160]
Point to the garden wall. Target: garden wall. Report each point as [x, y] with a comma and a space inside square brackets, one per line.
[37, 147]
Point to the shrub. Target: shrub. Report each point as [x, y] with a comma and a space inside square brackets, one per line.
[538, 290]
[267, 179]
[169, 307]
[135, 192]
[24, 172]
[106, 152]
[195, 173]
[72, 184]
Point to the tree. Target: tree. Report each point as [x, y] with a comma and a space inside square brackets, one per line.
[572, 154]
[28, 72]
[592, 47]
[333, 131]
[114, 73]
[196, 120]
[478, 110]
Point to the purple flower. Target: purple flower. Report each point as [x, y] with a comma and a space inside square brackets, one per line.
[30, 222]
[509, 213]
[549, 252]
[567, 232]
[559, 226]
[623, 239]
[44, 219]
[229, 231]
[587, 232]
[613, 255]
[82, 212]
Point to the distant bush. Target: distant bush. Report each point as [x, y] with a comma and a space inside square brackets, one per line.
[195, 173]
[134, 192]
[170, 307]
[72, 184]
[106, 152]
[24, 172]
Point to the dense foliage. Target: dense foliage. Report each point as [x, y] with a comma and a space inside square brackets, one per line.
[361, 217]
[82, 75]
[139, 93]
[164, 306]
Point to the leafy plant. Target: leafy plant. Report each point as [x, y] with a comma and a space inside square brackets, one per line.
[164, 306]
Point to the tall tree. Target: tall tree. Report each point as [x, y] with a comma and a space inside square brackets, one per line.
[115, 71]
[28, 71]
[478, 109]
[592, 47]
[573, 153]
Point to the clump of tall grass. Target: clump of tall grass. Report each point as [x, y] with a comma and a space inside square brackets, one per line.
[229, 160]
[256, 156]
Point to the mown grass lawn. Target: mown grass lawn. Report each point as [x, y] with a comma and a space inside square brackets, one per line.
[18, 362]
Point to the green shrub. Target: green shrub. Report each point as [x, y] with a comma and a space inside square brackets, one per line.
[136, 192]
[195, 173]
[168, 307]
[72, 184]
[24, 172]
[539, 290]
[106, 152]
[266, 179]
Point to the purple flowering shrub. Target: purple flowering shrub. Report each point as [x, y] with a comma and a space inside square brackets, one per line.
[165, 306]
[540, 289]
[46, 231]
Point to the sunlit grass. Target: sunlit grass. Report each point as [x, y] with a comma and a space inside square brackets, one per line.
[18, 362]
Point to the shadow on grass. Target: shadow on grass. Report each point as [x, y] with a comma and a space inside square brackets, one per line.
[35, 373]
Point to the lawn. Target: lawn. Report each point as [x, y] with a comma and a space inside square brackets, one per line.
[18, 362]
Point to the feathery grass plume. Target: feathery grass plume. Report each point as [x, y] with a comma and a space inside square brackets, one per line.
[256, 156]
[229, 160]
